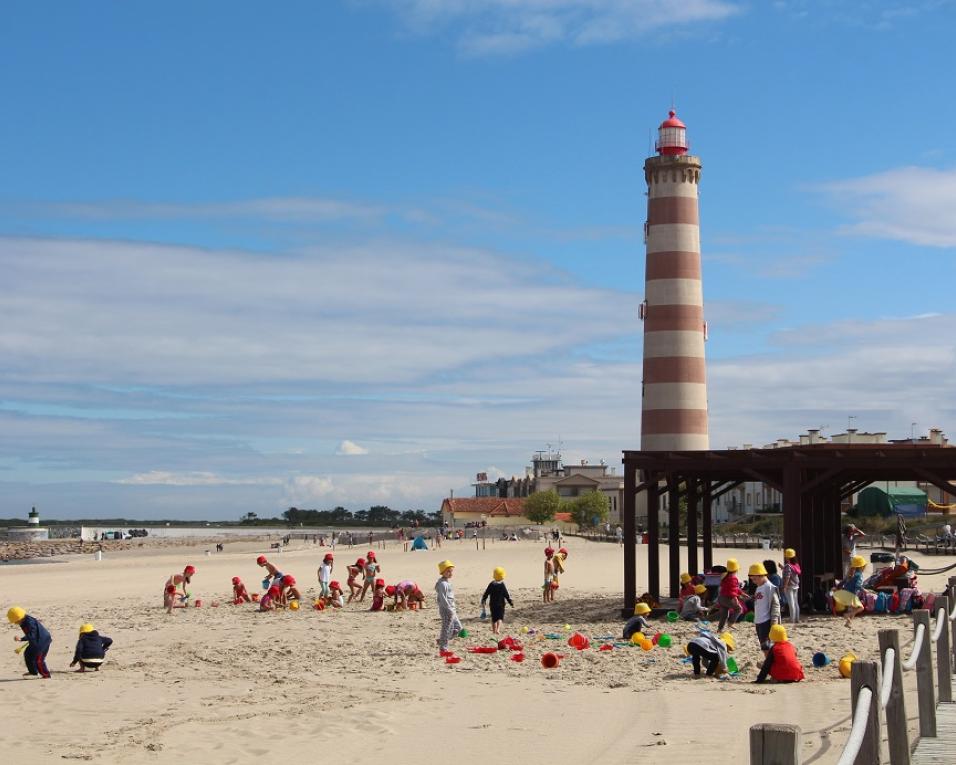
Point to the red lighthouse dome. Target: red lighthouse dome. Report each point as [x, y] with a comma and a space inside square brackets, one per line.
[672, 136]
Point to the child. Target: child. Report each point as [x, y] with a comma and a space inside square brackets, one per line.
[766, 604]
[38, 641]
[637, 623]
[287, 589]
[791, 583]
[268, 602]
[846, 600]
[171, 591]
[378, 596]
[416, 600]
[496, 594]
[781, 663]
[336, 598]
[694, 608]
[353, 571]
[402, 591]
[560, 559]
[271, 572]
[445, 597]
[91, 649]
[325, 575]
[686, 589]
[372, 569]
[712, 651]
[239, 592]
[390, 593]
[729, 592]
[549, 574]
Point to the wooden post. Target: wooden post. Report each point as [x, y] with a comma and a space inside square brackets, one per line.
[707, 523]
[772, 744]
[925, 692]
[628, 521]
[896, 731]
[673, 535]
[944, 657]
[692, 526]
[864, 674]
[653, 540]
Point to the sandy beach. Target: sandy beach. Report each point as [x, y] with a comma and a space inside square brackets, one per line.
[227, 684]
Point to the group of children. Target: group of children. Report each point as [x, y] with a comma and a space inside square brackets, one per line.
[90, 650]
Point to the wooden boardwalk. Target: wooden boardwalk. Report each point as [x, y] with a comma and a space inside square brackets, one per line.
[942, 749]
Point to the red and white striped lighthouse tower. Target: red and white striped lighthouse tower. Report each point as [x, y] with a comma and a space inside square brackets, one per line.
[674, 399]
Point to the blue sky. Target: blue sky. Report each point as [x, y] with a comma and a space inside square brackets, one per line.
[355, 251]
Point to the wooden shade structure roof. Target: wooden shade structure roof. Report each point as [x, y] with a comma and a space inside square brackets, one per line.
[812, 479]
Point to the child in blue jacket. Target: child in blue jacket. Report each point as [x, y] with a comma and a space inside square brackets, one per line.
[37, 638]
[91, 649]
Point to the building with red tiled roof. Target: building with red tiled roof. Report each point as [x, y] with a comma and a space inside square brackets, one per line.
[494, 511]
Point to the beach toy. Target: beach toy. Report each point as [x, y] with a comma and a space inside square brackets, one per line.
[637, 638]
[483, 614]
[255, 597]
[550, 660]
[294, 605]
[820, 659]
[579, 641]
[607, 647]
[483, 649]
[452, 659]
[463, 633]
[552, 636]
[214, 604]
[749, 617]
[846, 664]
[446, 652]
[198, 603]
[524, 630]
[657, 636]
[21, 648]
[265, 583]
[672, 616]
[319, 604]
[567, 627]
[519, 657]
[664, 641]
[646, 645]
[732, 665]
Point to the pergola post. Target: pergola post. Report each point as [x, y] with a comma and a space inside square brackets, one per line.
[653, 539]
[629, 521]
[692, 525]
[708, 526]
[673, 535]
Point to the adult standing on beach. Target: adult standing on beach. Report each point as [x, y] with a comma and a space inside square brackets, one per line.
[850, 534]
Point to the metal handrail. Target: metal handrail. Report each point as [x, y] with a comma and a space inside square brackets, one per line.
[886, 686]
[860, 716]
[917, 647]
[941, 621]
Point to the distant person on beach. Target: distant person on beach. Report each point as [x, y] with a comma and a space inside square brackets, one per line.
[37, 639]
[850, 534]
[172, 593]
[445, 597]
[728, 596]
[548, 574]
[91, 649]
[372, 570]
[791, 583]
[325, 575]
[496, 595]
[239, 592]
[353, 571]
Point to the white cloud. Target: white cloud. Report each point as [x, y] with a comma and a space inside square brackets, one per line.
[197, 478]
[350, 448]
[909, 204]
[489, 27]
[396, 490]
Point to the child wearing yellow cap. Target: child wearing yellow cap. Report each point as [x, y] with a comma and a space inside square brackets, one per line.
[711, 651]
[846, 600]
[781, 662]
[766, 604]
[791, 583]
[693, 608]
[445, 598]
[91, 649]
[496, 595]
[686, 589]
[37, 639]
[638, 622]
[728, 596]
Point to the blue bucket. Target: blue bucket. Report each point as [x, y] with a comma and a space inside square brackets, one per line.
[820, 659]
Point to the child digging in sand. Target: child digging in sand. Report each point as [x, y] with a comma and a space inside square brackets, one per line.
[638, 622]
[239, 592]
[445, 598]
[496, 594]
[781, 663]
[712, 651]
[37, 639]
[91, 649]
[171, 591]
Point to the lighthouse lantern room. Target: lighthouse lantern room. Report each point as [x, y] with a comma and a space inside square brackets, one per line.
[672, 136]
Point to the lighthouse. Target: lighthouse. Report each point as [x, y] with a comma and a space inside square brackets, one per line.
[674, 391]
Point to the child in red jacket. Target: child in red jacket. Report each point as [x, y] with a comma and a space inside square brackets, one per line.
[781, 663]
[728, 597]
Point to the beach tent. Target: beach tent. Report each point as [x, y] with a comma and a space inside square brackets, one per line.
[904, 500]
[419, 544]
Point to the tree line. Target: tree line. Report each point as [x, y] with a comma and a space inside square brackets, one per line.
[377, 515]
[587, 510]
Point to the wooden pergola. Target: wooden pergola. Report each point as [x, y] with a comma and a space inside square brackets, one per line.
[812, 479]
